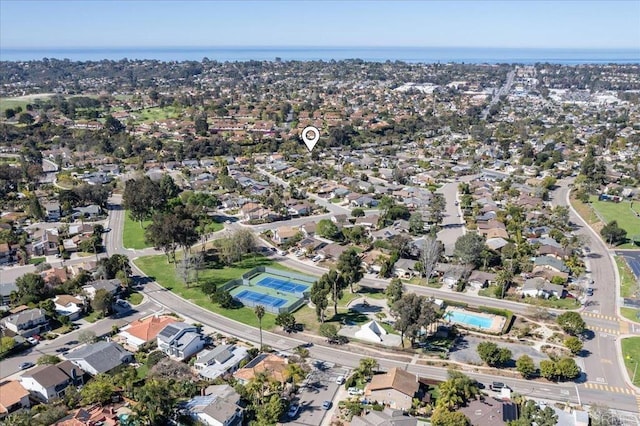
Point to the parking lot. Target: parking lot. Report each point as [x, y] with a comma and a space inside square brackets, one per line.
[319, 385]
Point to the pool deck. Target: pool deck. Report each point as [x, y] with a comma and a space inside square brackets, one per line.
[497, 321]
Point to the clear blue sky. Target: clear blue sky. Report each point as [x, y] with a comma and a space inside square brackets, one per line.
[519, 23]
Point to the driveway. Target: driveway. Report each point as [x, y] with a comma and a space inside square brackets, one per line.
[320, 385]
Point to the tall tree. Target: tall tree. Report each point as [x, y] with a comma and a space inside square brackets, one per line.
[336, 283]
[318, 295]
[469, 248]
[430, 254]
[350, 267]
[102, 301]
[571, 322]
[260, 311]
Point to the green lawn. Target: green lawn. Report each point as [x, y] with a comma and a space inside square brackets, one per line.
[157, 113]
[133, 234]
[631, 355]
[134, 298]
[94, 316]
[622, 213]
[630, 314]
[164, 273]
[628, 284]
[37, 260]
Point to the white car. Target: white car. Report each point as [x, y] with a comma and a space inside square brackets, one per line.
[340, 380]
[355, 391]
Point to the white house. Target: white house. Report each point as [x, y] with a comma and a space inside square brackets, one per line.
[69, 306]
[214, 410]
[540, 287]
[112, 286]
[371, 332]
[46, 382]
[181, 340]
[26, 323]
[222, 360]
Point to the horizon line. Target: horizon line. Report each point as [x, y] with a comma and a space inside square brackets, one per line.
[294, 46]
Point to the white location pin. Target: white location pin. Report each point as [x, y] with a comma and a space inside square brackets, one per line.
[310, 136]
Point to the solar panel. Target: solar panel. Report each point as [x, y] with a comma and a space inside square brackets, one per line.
[168, 331]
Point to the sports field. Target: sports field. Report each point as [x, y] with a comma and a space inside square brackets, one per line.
[623, 212]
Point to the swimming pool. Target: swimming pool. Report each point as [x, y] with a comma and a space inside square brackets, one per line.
[467, 318]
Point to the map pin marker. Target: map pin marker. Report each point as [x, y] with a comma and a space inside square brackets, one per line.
[310, 136]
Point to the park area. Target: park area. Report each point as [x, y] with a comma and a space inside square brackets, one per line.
[158, 269]
[624, 212]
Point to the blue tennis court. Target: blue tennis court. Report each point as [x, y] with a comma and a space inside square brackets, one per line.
[260, 299]
[282, 285]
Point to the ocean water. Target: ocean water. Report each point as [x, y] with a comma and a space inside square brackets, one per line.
[372, 54]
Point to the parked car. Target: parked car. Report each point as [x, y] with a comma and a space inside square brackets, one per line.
[26, 365]
[589, 291]
[498, 386]
[32, 340]
[62, 349]
[293, 410]
[326, 405]
[353, 391]
[340, 380]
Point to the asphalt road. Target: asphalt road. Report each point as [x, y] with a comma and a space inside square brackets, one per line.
[604, 366]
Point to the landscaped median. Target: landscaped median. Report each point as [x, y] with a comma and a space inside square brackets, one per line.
[628, 288]
[631, 355]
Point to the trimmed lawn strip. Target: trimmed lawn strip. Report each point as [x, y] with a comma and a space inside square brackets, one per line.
[157, 268]
[585, 211]
[631, 355]
[133, 234]
[631, 314]
[134, 298]
[628, 283]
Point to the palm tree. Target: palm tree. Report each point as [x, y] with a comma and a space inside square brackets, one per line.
[368, 366]
[259, 311]
[449, 396]
[294, 373]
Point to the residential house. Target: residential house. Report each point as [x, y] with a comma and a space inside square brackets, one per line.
[340, 220]
[332, 250]
[46, 382]
[386, 417]
[479, 279]
[100, 357]
[405, 268]
[283, 234]
[273, 365]
[68, 306]
[308, 229]
[219, 407]
[302, 209]
[396, 388]
[364, 201]
[27, 322]
[52, 211]
[368, 222]
[490, 412]
[112, 286]
[89, 212]
[541, 287]
[221, 360]
[143, 331]
[45, 243]
[13, 397]
[6, 253]
[181, 340]
[371, 261]
[5, 293]
[55, 276]
[550, 266]
[95, 415]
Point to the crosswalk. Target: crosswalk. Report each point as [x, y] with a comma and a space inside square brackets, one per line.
[600, 316]
[605, 330]
[607, 388]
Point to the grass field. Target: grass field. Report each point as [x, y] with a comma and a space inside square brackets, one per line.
[622, 213]
[157, 113]
[628, 282]
[631, 355]
[133, 234]
[630, 314]
[164, 273]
